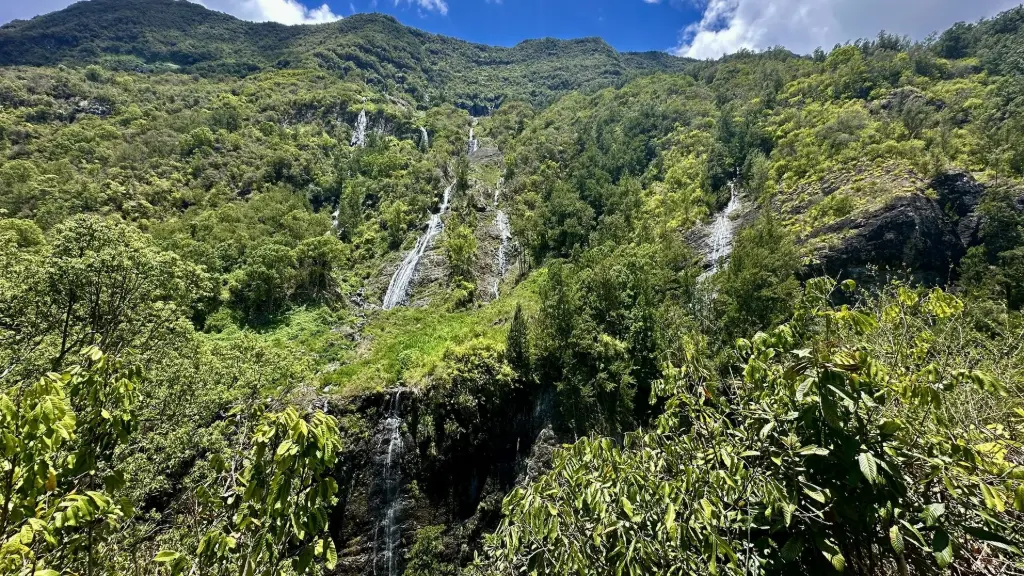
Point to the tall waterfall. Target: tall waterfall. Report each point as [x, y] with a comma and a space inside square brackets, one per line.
[474, 144]
[390, 447]
[359, 134]
[720, 238]
[398, 288]
[501, 259]
[424, 138]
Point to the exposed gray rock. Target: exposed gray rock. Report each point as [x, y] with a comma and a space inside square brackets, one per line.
[959, 196]
[911, 233]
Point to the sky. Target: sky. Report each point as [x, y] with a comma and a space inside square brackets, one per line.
[694, 28]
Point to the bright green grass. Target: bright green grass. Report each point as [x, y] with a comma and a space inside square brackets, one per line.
[405, 345]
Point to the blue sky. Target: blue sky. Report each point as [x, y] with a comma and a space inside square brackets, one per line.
[694, 28]
[626, 25]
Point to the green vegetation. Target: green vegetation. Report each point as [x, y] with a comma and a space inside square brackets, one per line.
[195, 367]
[164, 35]
[843, 442]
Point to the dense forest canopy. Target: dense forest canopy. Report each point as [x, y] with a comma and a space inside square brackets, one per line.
[357, 299]
[165, 35]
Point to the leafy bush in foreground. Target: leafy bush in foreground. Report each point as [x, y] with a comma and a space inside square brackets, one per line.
[866, 440]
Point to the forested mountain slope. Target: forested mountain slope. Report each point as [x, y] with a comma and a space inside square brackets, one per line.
[182, 36]
[357, 299]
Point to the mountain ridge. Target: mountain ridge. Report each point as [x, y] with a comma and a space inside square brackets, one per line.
[145, 35]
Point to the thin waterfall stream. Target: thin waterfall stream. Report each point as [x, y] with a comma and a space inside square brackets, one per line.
[722, 231]
[390, 448]
[398, 288]
[359, 133]
[505, 234]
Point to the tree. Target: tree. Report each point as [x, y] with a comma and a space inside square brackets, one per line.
[56, 435]
[272, 508]
[261, 287]
[99, 282]
[758, 286]
[460, 250]
[317, 260]
[517, 344]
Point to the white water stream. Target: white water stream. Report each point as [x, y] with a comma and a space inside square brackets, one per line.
[359, 133]
[722, 231]
[388, 534]
[398, 288]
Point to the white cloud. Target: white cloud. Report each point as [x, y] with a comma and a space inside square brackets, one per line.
[283, 11]
[803, 25]
[439, 6]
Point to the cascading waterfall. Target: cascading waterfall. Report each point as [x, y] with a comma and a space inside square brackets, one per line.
[424, 138]
[722, 232]
[501, 220]
[474, 145]
[398, 288]
[359, 134]
[390, 449]
[505, 234]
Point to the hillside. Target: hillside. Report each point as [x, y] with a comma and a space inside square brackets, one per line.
[355, 299]
[182, 36]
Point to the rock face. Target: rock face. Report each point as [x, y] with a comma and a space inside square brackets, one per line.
[923, 234]
[391, 484]
[909, 234]
[959, 196]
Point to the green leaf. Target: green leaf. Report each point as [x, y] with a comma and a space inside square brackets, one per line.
[165, 556]
[816, 494]
[889, 427]
[832, 552]
[869, 467]
[791, 551]
[942, 548]
[932, 513]
[628, 507]
[992, 538]
[896, 539]
[331, 554]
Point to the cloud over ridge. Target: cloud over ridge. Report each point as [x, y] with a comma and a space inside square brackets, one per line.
[803, 25]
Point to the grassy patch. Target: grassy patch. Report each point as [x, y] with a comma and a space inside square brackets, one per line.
[405, 345]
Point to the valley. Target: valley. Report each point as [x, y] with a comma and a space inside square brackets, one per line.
[353, 298]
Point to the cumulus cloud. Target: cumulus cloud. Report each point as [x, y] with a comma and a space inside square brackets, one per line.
[803, 25]
[439, 6]
[283, 11]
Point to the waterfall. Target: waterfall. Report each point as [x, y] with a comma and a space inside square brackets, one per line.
[501, 259]
[720, 238]
[359, 134]
[398, 288]
[474, 145]
[424, 138]
[390, 448]
[334, 218]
